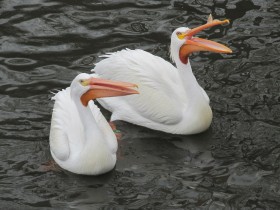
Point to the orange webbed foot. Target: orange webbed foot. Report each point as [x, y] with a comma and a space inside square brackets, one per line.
[50, 165]
[116, 131]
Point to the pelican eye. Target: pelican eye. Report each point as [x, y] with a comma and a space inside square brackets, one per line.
[84, 82]
[180, 35]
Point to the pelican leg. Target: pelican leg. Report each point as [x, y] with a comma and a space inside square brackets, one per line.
[50, 165]
[116, 131]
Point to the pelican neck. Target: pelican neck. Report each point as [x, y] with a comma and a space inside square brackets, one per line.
[189, 81]
[86, 117]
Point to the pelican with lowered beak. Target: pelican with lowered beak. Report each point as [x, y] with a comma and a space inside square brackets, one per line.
[81, 140]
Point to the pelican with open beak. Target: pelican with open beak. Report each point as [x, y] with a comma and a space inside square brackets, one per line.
[171, 99]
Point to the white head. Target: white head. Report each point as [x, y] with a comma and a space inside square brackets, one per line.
[78, 87]
[183, 42]
[177, 40]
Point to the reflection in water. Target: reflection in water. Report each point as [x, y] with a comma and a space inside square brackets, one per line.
[235, 164]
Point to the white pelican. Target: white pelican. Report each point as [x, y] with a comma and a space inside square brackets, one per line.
[170, 99]
[81, 140]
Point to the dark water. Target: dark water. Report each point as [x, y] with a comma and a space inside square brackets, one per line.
[234, 165]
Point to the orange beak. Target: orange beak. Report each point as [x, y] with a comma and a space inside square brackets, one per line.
[195, 44]
[100, 88]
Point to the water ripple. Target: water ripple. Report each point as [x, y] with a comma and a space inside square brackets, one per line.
[234, 165]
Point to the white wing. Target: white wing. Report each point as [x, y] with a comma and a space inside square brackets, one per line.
[66, 126]
[159, 84]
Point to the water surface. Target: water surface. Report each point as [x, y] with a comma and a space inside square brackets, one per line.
[234, 165]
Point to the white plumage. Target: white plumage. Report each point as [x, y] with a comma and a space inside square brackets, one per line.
[81, 140]
[163, 103]
[170, 99]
